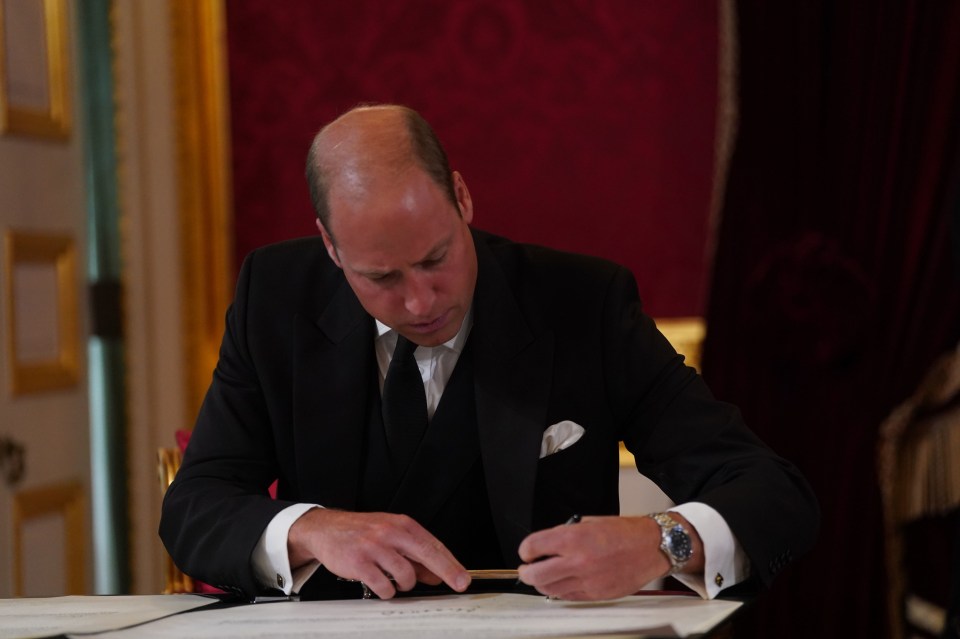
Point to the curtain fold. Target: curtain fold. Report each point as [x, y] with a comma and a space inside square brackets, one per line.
[834, 284]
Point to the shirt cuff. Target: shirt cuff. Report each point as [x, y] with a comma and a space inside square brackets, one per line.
[271, 563]
[725, 563]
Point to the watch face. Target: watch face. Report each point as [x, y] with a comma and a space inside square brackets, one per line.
[680, 546]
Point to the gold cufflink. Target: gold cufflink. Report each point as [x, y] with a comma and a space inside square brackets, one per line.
[280, 581]
[718, 580]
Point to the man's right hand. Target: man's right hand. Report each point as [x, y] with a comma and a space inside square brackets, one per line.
[373, 548]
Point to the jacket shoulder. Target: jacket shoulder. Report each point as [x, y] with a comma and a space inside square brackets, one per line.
[293, 272]
[538, 266]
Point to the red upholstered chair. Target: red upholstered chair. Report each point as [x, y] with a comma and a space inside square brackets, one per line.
[168, 464]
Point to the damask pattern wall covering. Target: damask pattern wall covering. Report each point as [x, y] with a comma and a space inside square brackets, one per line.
[584, 125]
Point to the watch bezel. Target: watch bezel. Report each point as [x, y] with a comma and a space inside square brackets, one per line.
[679, 543]
[675, 541]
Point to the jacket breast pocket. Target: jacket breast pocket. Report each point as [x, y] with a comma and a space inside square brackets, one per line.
[581, 479]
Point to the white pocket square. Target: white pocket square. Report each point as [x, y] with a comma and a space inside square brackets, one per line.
[559, 436]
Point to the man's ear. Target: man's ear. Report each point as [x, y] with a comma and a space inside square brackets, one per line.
[464, 201]
[328, 243]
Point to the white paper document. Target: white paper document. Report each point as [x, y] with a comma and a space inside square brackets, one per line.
[478, 615]
[46, 616]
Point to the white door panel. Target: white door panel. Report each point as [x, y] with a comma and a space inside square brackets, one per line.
[44, 515]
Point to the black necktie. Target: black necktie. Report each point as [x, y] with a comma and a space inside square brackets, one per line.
[404, 404]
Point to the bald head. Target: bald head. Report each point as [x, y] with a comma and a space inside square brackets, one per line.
[371, 146]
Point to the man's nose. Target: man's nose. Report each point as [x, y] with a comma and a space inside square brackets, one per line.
[420, 295]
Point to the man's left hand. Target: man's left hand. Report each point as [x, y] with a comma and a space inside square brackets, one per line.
[600, 558]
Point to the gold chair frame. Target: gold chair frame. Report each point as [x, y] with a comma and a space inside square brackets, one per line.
[168, 463]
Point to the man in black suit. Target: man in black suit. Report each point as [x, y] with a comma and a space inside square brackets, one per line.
[534, 364]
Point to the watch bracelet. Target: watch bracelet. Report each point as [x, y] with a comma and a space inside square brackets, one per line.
[667, 523]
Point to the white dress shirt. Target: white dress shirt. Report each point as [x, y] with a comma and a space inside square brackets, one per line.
[725, 560]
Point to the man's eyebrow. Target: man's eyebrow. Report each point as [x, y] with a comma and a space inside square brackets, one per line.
[374, 274]
[434, 252]
[431, 255]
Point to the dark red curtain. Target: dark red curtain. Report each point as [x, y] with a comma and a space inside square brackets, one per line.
[584, 125]
[834, 287]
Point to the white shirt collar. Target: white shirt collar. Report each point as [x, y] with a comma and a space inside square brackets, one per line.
[455, 343]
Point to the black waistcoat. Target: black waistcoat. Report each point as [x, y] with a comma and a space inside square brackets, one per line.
[444, 487]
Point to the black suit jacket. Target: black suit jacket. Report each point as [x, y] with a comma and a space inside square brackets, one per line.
[556, 336]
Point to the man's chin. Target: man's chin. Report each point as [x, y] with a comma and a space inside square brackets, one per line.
[431, 336]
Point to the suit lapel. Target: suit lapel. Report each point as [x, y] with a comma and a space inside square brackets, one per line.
[513, 375]
[333, 365]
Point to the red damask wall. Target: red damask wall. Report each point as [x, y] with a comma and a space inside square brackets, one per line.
[584, 125]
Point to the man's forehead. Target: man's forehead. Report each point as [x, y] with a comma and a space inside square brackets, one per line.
[386, 261]
[357, 178]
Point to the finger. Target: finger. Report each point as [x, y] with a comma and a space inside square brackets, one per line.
[447, 569]
[530, 547]
[543, 572]
[376, 581]
[426, 550]
[544, 543]
[559, 588]
[425, 576]
[400, 569]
